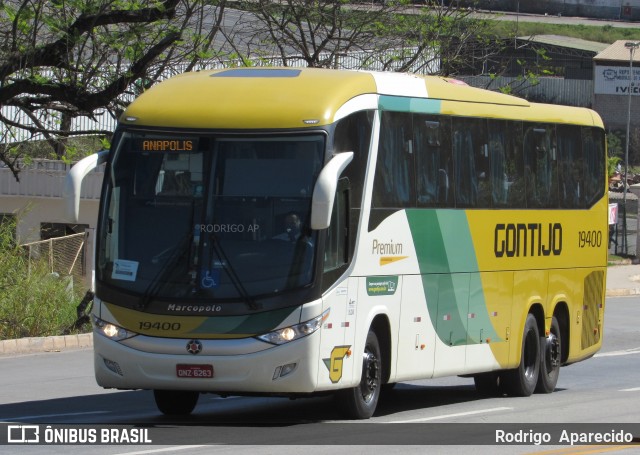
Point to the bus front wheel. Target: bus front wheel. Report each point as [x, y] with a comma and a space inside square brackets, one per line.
[360, 402]
[522, 381]
[175, 402]
[550, 353]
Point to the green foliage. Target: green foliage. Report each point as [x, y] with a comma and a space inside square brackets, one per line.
[33, 302]
[612, 164]
[63, 59]
[615, 139]
[600, 34]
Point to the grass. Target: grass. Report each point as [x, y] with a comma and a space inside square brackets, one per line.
[614, 259]
[33, 302]
[598, 33]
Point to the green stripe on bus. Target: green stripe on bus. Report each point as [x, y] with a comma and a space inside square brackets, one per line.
[449, 270]
[253, 324]
[405, 104]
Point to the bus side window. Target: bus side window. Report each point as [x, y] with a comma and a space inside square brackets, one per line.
[570, 177]
[540, 154]
[593, 164]
[393, 186]
[432, 139]
[507, 167]
[353, 134]
[498, 173]
[465, 146]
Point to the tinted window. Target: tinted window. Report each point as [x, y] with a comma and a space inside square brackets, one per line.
[593, 164]
[570, 170]
[353, 134]
[434, 163]
[393, 183]
[540, 166]
[507, 166]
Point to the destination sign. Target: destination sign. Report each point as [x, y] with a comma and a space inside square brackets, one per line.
[165, 145]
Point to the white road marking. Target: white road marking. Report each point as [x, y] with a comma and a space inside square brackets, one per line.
[450, 416]
[618, 353]
[635, 389]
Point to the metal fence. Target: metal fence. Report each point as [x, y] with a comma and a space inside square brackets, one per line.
[619, 244]
[64, 255]
[553, 90]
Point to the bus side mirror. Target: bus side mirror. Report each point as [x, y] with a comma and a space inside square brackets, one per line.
[73, 182]
[324, 191]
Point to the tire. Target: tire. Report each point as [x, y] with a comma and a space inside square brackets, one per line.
[360, 402]
[550, 353]
[175, 402]
[521, 382]
[489, 384]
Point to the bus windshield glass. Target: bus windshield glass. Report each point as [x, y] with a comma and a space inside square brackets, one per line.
[203, 217]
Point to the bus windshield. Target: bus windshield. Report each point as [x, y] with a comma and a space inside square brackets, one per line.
[204, 217]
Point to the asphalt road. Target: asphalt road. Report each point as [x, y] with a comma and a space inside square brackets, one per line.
[600, 394]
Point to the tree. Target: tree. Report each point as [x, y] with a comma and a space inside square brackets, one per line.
[64, 59]
[61, 59]
[389, 35]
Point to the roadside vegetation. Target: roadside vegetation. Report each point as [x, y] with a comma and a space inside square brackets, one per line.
[33, 302]
[600, 34]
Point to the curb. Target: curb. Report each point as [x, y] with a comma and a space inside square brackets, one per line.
[622, 292]
[46, 344]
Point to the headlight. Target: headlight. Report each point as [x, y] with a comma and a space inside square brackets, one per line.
[294, 332]
[111, 331]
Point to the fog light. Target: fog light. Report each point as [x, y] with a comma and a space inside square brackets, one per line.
[284, 370]
[287, 369]
[113, 366]
[276, 373]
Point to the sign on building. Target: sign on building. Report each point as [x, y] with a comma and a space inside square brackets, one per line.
[614, 80]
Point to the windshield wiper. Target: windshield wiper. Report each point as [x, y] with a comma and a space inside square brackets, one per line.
[175, 254]
[159, 281]
[233, 276]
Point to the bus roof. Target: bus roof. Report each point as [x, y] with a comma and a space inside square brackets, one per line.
[265, 98]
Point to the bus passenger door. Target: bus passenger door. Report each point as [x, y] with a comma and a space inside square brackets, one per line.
[338, 331]
[338, 334]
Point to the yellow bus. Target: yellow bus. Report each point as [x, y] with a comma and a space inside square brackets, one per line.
[295, 232]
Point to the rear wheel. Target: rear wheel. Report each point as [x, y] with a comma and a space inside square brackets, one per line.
[360, 402]
[550, 353]
[175, 402]
[522, 381]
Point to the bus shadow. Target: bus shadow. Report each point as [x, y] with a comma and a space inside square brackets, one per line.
[408, 397]
[138, 408]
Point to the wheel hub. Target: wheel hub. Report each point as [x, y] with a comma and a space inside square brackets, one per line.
[370, 376]
[552, 354]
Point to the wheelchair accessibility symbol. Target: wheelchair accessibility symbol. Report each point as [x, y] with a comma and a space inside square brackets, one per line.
[210, 279]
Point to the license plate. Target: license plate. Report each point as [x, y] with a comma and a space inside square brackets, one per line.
[194, 371]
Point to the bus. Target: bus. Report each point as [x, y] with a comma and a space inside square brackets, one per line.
[300, 231]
